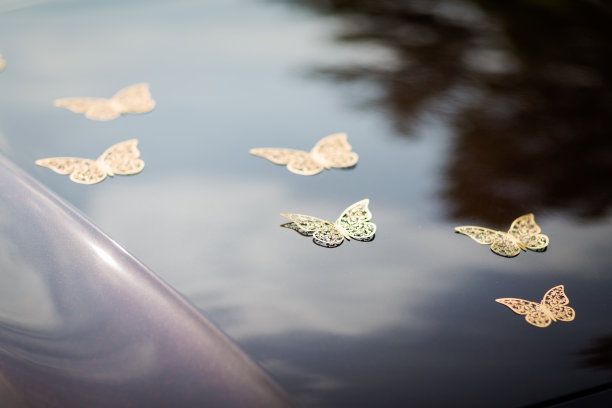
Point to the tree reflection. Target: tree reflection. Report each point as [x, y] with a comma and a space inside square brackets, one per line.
[524, 86]
[600, 354]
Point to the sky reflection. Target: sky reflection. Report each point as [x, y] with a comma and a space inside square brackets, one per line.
[229, 255]
[482, 141]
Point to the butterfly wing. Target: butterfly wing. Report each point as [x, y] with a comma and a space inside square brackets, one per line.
[527, 232]
[93, 108]
[556, 300]
[500, 242]
[297, 161]
[134, 99]
[324, 233]
[481, 235]
[293, 226]
[83, 171]
[2, 63]
[123, 158]
[506, 246]
[355, 221]
[531, 311]
[328, 236]
[334, 151]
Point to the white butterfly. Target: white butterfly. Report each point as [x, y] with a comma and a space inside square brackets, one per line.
[353, 223]
[553, 307]
[122, 159]
[523, 234]
[331, 151]
[133, 99]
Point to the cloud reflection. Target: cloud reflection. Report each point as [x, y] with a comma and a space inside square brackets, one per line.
[254, 280]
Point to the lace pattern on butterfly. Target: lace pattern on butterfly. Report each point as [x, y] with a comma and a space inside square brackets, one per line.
[523, 234]
[122, 159]
[331, 151]
[550, 309]
[354, 223]
[133, 99]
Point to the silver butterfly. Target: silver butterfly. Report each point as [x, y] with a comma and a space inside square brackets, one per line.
[354, 223]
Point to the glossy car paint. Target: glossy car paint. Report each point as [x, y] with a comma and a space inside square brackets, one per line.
[462, 113]
[85, 324]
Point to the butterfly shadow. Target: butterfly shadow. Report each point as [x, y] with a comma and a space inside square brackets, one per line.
[348, 168]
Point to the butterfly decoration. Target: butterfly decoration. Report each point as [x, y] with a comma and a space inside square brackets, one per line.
[122, 159]
[2, 63]
[293, 226]
[550, 309]
[331, 151]
[353, 223]
[133, 99]
[523, 234]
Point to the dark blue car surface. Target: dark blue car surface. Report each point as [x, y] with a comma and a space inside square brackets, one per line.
[462, 113]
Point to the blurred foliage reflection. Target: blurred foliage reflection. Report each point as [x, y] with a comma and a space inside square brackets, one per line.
[524, 87]
[599, 355]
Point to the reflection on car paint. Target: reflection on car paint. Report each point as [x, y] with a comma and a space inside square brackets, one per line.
[468, 142]
[121, 158]
[84, 324]
[525, 106]
[133, 99]
[523, 234]
[353, 223]
[550, 309]
[331, 151]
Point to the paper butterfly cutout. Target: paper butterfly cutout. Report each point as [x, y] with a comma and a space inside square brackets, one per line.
[133, 99]
[122, 159]
[523, 234]
[293, 226]
[331, 151]
[353, 223]
[2, 63]
[550, 309]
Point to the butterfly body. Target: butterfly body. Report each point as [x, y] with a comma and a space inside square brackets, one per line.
[133, 99]
[342, 231]
[331, 151]
[354, 223]
[543, 309]
[105, 168]
[121, 158]
[552, 308]
[523, 234]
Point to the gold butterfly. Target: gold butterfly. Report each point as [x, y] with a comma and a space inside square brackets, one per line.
[122, 159]
[550, 309]
[331, 151]
[353, 223]
[523, 234]
[133, 99]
